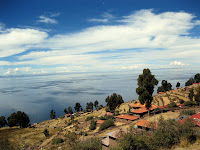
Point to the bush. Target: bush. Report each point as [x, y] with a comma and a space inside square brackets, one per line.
[88, 144]
[172, 105]
[181, 101]
[106, 124]
[106, 117]
[46, 133]
[93, 125]
[188, 103]
[89, 118]
[57, 141]
[188, 112]
[5, 144]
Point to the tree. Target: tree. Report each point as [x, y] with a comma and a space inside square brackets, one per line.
[18, 119]
[65, 111]
[46, 133]
[178, 85]
[70, 110]
[52, 114]
[197, 78]
[77, 107]
[93, 125]
[191, 94]
[96, 103]
[164, 87]
[3, 121]
[146, 83]
[114, 101]
[190, 82]
[89, 106]
[197, 96]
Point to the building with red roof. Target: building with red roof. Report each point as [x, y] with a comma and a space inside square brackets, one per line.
[126, 118]
[108, 114]
[99, 122]
[147, 124]
[195, 118]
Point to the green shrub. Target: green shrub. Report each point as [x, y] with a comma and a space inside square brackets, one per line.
[188, 103]
[69, 123]
[188, 112]
[57, 141]
[93, 125]
[88, 144]
[181, 101]
[106, 124]
[89, 118]
[106, 117]
[172, 105]
[46, 133]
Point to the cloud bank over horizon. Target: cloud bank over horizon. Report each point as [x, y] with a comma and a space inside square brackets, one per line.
[142, 39]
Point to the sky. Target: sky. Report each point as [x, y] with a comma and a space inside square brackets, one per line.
[48, 36]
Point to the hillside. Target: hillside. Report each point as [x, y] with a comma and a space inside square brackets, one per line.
[58, 128]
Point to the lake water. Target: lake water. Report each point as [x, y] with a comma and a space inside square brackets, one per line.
[37, 95]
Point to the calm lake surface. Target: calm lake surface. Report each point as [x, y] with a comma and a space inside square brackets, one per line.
[37, 95]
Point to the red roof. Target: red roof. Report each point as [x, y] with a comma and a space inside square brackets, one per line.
[100, 121]
[137, 105]
[195, 118]
[143, 110]
[161, 107]
[139, 111]
[160, 92]
[180, 104]
[66, 115]
[108, 114]
[129, 117]
[147, 124]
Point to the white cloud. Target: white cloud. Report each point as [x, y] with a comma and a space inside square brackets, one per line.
[15, 40]
[44, 19]
[106, 17]
[177, 63]
[140, 38]
[17, 70]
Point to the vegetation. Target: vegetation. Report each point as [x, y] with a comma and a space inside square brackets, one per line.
[146, 83]
[70, 110]
[114, 101]
[65, 111]
[196, 79]
[18, 119]
[96, 103]
[89, 106]
[187, 112]
[46, 133]
[5, 144]
[188, 103]
[57, 141]
[106, 124]
[107, 117]
[89, 118]
[178, 85]
[93, 125]
[77, 107]
[172, 105]
[197, 96]
[87, 144]
[191, 94]
[168, 134]
[165, 86]
[99, 107]
[52, 114]
[3, 121]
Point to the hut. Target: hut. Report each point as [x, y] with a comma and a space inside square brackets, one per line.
[126, 118]
[147, 125]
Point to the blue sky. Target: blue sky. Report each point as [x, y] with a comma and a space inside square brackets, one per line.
[48, 36]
